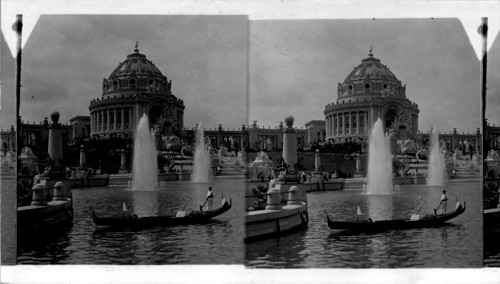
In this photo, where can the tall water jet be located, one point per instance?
(144, 173)
(202, 171)
(379, 162)
(436, 172)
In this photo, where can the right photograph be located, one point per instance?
(366, 145)
(491, 108)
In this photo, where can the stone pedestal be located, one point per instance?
(123, 164)
(51, 183)
(55, 147)
(294, 196)
(60, 192)
(358, 172)
(290, 144)
(273, 200)
(39, 195)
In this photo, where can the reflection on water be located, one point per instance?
(319, 246)
(217, 242)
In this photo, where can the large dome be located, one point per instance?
(370, 78)
(136, 64)
(370, 69)
(136, 74)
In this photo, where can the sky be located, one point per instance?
(292, 67)
(295, 66)
(66, 58)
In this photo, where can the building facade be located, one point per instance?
(134, 88)
(251, 137)
(492, 137)
(370, 91)
(80, 127)
(316, 130)
(36, 136)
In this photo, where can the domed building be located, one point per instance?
(370, 91)
(135, 87)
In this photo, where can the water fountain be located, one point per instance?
(436, 172)
(379, 162)
(202, 170)
(145, 174)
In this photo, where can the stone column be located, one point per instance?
(290, 144)
(98, 120)
(91, 123)
(344, 118)
(82, 156)
(338, 124)
(336, 131)
(115, 116)
(332, 121)
(317, 161)
(367, 128)
(102, 120)
(327, 124)
(357, 122)
(108, 120)
(123, 119)
(329, 128)
(350, 123)
(55, 145)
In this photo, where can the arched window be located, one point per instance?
(115, 85)
(132, 83)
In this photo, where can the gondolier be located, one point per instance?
(210, 199)
(444, 202)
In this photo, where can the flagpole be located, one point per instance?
(483, 30)
(18, 28)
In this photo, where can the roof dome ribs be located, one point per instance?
(146, 75)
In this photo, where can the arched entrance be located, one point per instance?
(154, 114)
(390, 116)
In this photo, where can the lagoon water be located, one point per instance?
(218, 242)
(457, 244)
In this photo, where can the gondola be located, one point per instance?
(131, 221)
(429, 220)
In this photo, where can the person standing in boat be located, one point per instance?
(210, 199)
(444, 201)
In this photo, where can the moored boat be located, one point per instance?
(132, 221)
(429, 220)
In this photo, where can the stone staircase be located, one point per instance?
(229, 170)
(464, 171)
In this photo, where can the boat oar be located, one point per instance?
(201, 206)
(435, 210)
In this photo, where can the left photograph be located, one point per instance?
(128, 137)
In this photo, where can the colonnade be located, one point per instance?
(344, 123)
(112, 119)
